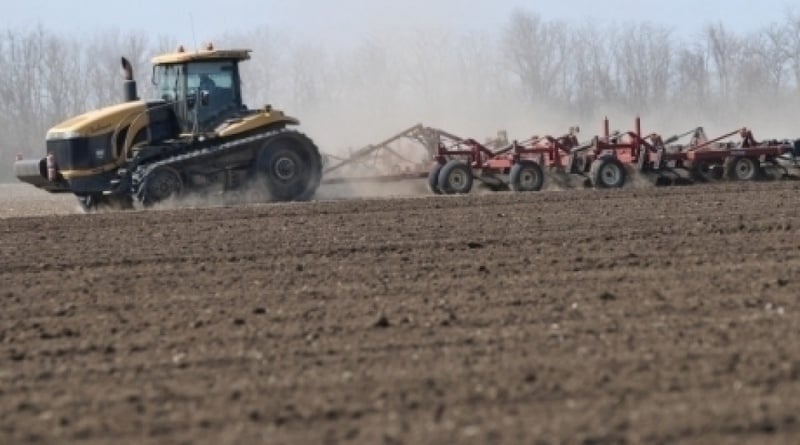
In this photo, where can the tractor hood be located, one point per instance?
(97, 122)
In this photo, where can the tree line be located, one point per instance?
(531, 74)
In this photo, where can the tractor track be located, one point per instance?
(663, 315)
(140, 173)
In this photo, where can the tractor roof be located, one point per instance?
(200, 55)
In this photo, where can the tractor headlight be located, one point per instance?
(59, 135)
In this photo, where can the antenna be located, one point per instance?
(194, 37)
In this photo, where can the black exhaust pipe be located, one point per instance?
(129, 93)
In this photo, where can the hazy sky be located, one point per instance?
(349, 20)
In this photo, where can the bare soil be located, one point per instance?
(596, 317)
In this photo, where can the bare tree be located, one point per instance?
(723, 46)
(691, 77)
(761, 69)
(793, 45)
(643, 58)
(538, 52)
(591, 65)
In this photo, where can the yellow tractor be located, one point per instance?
(197, 135)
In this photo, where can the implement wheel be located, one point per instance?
(741, 168)
(607, 172)
(433, 180)
(526, 176)
(161, 184)
(455, 178)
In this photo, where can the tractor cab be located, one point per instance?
(203, 88)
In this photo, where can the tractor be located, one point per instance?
(196, 135)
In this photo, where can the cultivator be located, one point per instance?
(453, 164)
(744, 159)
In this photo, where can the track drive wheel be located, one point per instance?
(455, 178)
(526, 176)
(741, 168)
(161, 184)
(433, 180)
(607, 172)
(290, 166)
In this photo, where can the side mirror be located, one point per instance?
(205, 98)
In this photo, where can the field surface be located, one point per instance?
(634, 316)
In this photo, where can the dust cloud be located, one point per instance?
(532, 75)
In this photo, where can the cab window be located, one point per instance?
(218, 79)
(210, 75)
(167, 79)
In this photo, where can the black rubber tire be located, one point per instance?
(433, 180)
(455, 178)
(607, 172)
(526, 176)
(742, 168)
(161, 184)
(290, 167)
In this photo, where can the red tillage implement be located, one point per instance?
(453, 164)
(705, 159)
(518, 165)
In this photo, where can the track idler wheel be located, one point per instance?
(526, 176)
(455, 178)
(607, 172)
(291, 167)
(741, 168)
(161, 184)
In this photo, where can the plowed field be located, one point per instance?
(597, 317)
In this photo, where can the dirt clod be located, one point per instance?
(382, 322)
(607, 296)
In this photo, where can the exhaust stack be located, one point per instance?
(129, 93)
